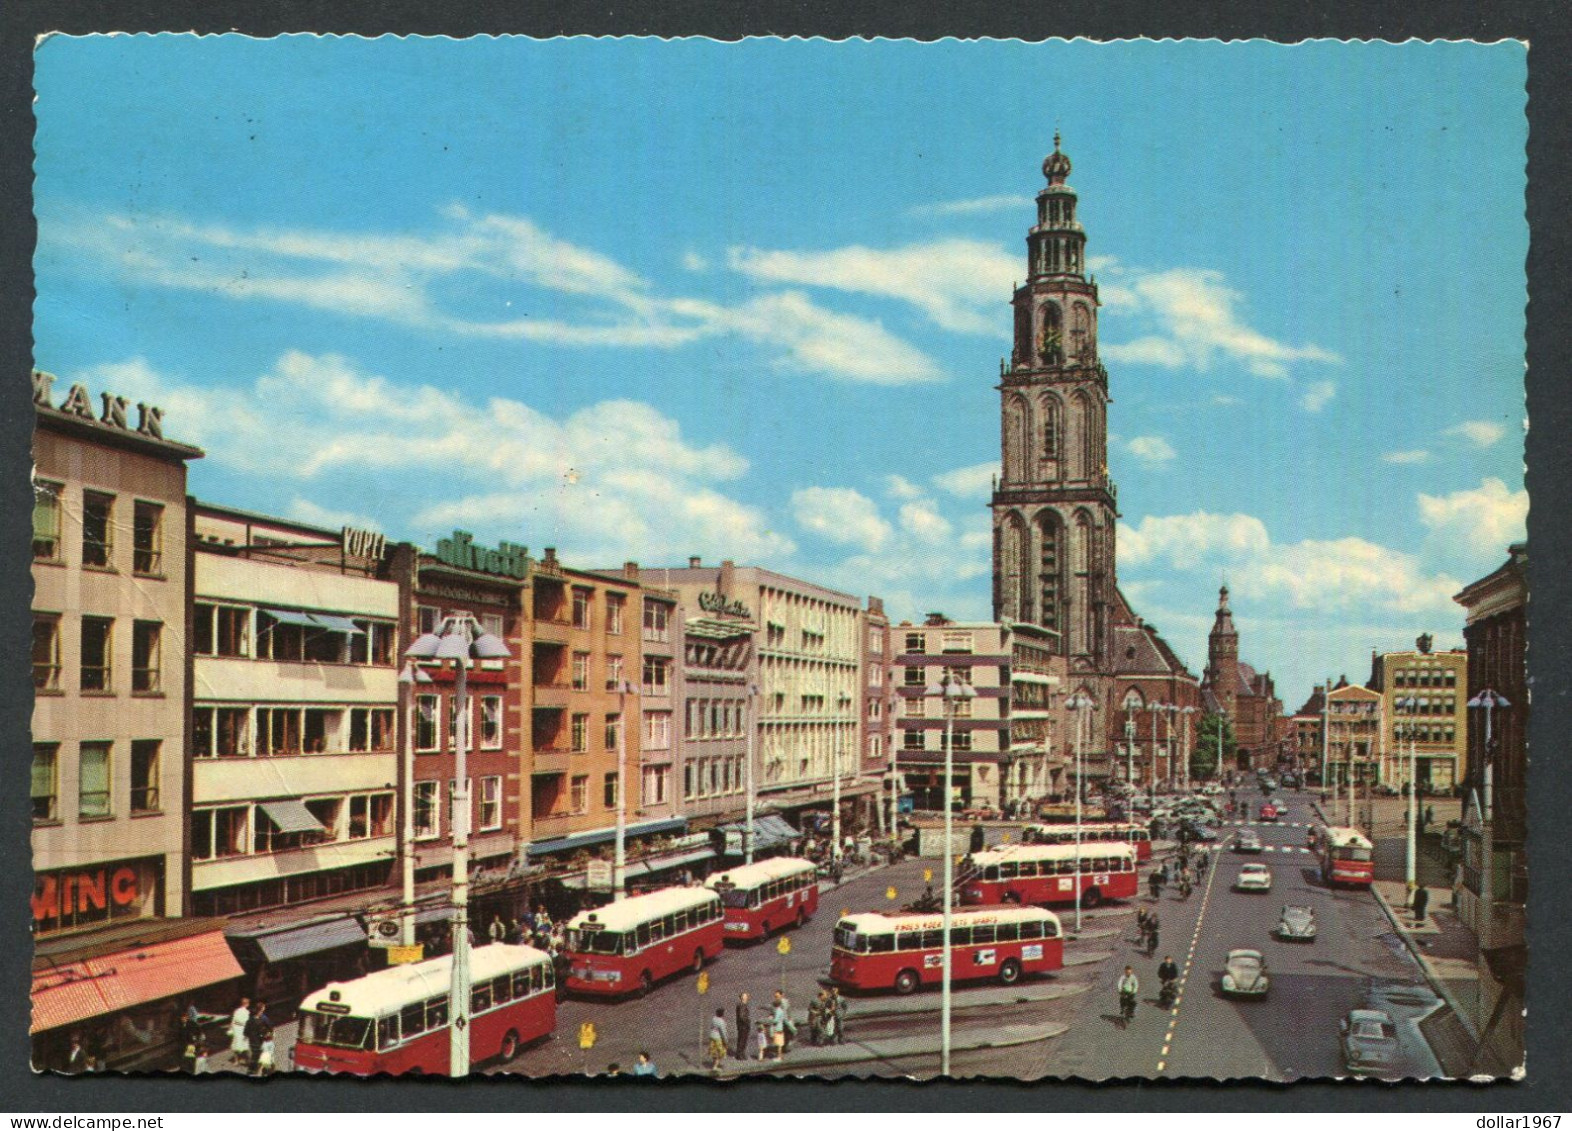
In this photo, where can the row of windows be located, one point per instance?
(589, 940)
(485, 806)
(96, 655)
(716, 718)
(918, 676)
(713, 777)
(95, 779)
(98, 530)
(950, 643)
(1031, 869)
(916, 740)
(226, 831)
(978, 934)
(433, 725)
(1426, 705)
(263, 732)
(244, 632)
(1425, 677)
(771, 889)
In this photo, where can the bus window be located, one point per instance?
(932, 939)
(669, 925)
(1028, 869)
(1050, 929)
(538, 976)
(908, 940)
(1008, 871)
(879, 944)
(520, 983)
(959, 936)
(437, 1013)
(412, 1019)
(991, 872)
(480, 998)
(1008, 932)
(682, 922)
(1033, 930)
(643, 935)
(502, 989)
(982, 933)
(387, 1032)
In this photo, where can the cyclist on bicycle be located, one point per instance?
(1129, 986)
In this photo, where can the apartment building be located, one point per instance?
(878, 711)
(1424, 704)
(1002, 738)
(295, 765)
(1354, 726)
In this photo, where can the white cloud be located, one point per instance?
(611, 480)
(840, 514)
(518, 283)
(1154, 451)
(899, 487)
(974, 482)
(1002, 203)
(1412, 455)
(693, 261)
(304, 510)
(1198, 318)
(959, 284)
(1485, 519)
(1317, 395)
(1480, 433)
(1225, 400)
(1330, 576)
(924, 522)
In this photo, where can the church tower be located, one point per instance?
(1054, 506)
(1222, 658)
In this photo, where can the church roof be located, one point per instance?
(1138, 648)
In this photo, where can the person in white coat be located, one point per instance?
(238, 1044)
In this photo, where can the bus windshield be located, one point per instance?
(1360, 855)
(731, 895)
(848, 939)
(595, 942)
(339, 1032)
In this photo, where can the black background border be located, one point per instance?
(1547, 27)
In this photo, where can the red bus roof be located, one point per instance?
(628, 913)
(749, 876)
(388, 990)
(879, 922)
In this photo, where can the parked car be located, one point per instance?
(1244, 974)
(1296, 923)
(1369, 1040)
(1269, 784)
(1248, 840)
(1253, 877)
(1267, 812)
(1290, 781)
(1197, 832)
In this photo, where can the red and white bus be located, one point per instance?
(875, 951)
(628, 946)
(1138, 835)
(1347, 857)
(396, 1020)
(1048, 874)
(761, 897)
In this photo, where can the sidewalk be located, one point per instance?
(810, 1058)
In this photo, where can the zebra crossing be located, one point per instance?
(1270, 824)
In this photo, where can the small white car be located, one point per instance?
(1244, 974)
(1254, 877)
(1248, 840)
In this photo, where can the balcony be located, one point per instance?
(550, 760)
(550, 826)
(552, 696)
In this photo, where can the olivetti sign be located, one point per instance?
(507, 560)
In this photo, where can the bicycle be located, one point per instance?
(1126, 1009)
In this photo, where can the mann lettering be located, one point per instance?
(150, 421)
(114, 413)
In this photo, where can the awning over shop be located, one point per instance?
(291, 616)
(282, 943)
(770, 831)
(650, 866)
(603, 836)
(292, 816)
(73, 992)
(336, 624)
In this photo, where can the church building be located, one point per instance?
(1249, 698)
(1055, 507)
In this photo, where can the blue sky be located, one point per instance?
(638, 299)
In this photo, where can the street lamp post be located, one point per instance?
(1156, 709)
(1487, 700)
(1079, 703)
(1184, 744)
(1408, 705)
(750, 789)
(619, 867)
(459, 638)
(952, 691)
(412, 675)
(1129, 751)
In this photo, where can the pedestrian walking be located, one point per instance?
(743, 1014)
(1421, 904)
(761, 1040)
(497, 931)
(644, 1066)
(258, 1029)
(838, 1011)
(719, 1040)
(238, 1044)
(268, 1057)
(778, 1021)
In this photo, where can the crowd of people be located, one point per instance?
(769, 1033)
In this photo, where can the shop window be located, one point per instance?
(46, 781)
(46, 652)
(147, 538)
(46, 521)
(144, 775)
(146, 656)
(97, 653)
(98, 530)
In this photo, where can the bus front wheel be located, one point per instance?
(906, 981)
(802, 918)
(1010, 972)
(698, 960)
(1090, 898)
(646, 984)
(510, 1045)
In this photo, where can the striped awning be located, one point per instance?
(74, 992)
(291, 816)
